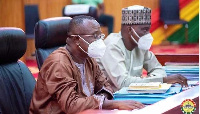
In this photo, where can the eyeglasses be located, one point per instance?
(100, 36)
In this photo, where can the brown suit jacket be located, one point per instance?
(59, 89)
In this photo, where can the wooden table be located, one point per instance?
(178, 58)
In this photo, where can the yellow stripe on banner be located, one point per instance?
(190, 11)
(187, 13)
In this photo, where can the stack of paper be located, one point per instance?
(190, 72)
(153, 87)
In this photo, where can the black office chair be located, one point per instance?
(16, 81)
(169, 15)
(50, 34)
(31, 18)
(92, 11)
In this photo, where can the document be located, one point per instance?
(154, 87)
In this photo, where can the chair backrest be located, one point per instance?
(79, 9)
(16, 81)
(31, 18)
(169, 10)
(49, 35)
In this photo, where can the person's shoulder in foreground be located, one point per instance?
(127, 54)
(70, 80)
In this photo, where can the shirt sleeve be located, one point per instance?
(153, 67)
(61, 84)
(101, 82)
(113, 62)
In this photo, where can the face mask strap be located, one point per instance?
(81, 47)
(134, 39)
(83, 40)
(135, 33)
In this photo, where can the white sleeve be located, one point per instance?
(153, 67)
(114, 64)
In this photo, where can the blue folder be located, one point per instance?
(145, 98)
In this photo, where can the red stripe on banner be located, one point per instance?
(155, 22)
(183, 3)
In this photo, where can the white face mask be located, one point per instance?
(96, 49)
(144, 41)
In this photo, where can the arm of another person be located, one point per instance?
(76, 1)
(154, 68)
(114, 63)
(103, 87)
(101, 7)
(101, 83)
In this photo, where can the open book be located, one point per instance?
(152, 87)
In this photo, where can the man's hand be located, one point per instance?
(122, 105)
(177, 78)
(129, 105)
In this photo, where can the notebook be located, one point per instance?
(153, 87)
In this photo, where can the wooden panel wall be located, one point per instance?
(12, 11)
(53, 8)
(29, 2)
(49, 8)
(12, 15)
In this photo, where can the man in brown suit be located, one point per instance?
(70, 80)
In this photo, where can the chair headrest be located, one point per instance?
(13, 44)
(51, 32)
(79, 9)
